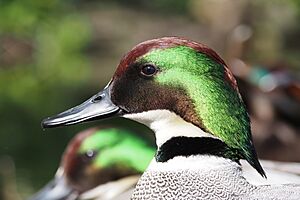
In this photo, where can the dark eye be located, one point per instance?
(90, 153)
(148, 70)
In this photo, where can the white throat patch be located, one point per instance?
(167, 124)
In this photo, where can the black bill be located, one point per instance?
(97, 107)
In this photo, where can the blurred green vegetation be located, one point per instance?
(42, 69)
(52, 54)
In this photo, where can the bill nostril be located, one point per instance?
(98, 98)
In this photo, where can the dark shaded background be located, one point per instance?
(55, 54)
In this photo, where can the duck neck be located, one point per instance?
(176, 137)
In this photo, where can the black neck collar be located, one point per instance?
(187, 146)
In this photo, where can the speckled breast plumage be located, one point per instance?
(192, 185)
(221, 185)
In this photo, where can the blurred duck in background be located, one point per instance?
(99, 163)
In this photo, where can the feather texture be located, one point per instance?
(205, 177)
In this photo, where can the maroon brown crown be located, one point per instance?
(167, 42)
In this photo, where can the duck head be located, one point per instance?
(178, 82)
(94, 158)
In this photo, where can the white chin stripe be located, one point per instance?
(167, 124)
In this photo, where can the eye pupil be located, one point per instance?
(148, 70)
(90, 153)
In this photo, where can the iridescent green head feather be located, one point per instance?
(217, 104)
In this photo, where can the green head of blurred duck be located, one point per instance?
(99, 162)
(183, 91)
